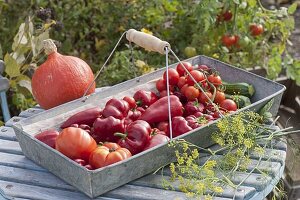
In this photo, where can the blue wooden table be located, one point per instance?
(22, 179)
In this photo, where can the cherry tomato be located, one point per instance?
(228, 105)
(108, 154)
(163, 126)
(183, 88)
(75, 143)
(181, 81)
(203, 99)
(181, 71)
(256, 29)
(225, 16)
(131, 101)
(220, 96)
(197, 75)
(215, 79)
(173, 76)
(161, 85)
(191, 93)
(230, 40)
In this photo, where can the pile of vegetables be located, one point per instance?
(128, 126)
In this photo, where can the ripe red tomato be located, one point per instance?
(164, 93)
(191, 93)
(198, 76)
(224, 16)
(256, 29)
(108, 154)
(215, 79)
(229, 40)
(228, 105)
(181, 81)
(183, 88)
(181, 71)
(161, 85)
(75, 143)
(131, 101)
(173, 76)
(220, 96)
(203, 99)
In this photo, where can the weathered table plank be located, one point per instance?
(22, 179)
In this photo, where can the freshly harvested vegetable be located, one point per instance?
(60, 78)
(158, 111)
(83, 163)
(131, 101)
(192, 107)
(87, 117)
(136, 136)
(156, 140)
(173, 76)
(75, 143)
(240, 100)
(228, 105)
(179, 126)
(108, 154)
(145, 98)
(48, 137)
(104, 129)
(244, 89)
(117, 108)
(196, 122)
(180, 69)
(197, 75)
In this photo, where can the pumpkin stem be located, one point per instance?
(49, 46)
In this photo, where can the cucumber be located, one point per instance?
(240, 100)
(244, 89)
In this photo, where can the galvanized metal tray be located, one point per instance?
(96, 182)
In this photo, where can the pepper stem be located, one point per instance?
(121, 135)
(49, 46)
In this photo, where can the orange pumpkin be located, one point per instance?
(60, 78)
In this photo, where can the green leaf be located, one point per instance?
(292, 8)
(1, 52)
(36, 42)
(12, 68)
(26, 84)
(236, 2)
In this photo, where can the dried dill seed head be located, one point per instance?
(44, 13)
(58, 26)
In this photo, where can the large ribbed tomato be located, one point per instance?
(75, 143)
(108, 154)
(60, 78)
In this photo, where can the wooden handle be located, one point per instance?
(148, 42)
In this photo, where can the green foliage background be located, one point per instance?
(92, 28)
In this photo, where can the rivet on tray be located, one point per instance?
(259, 178)
(240, 190)
(16, 120)
(3, 130)
(276, 153)
(31, 111)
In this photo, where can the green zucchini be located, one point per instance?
(244, 89)
(240, 100)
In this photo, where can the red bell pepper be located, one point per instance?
(179, 126)
(84, 117)
(145, 98)
(192, 107)
(156, 140)
(136, 136)
(104, 129)
(117, 108)
(48, 137)
(158, 111)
